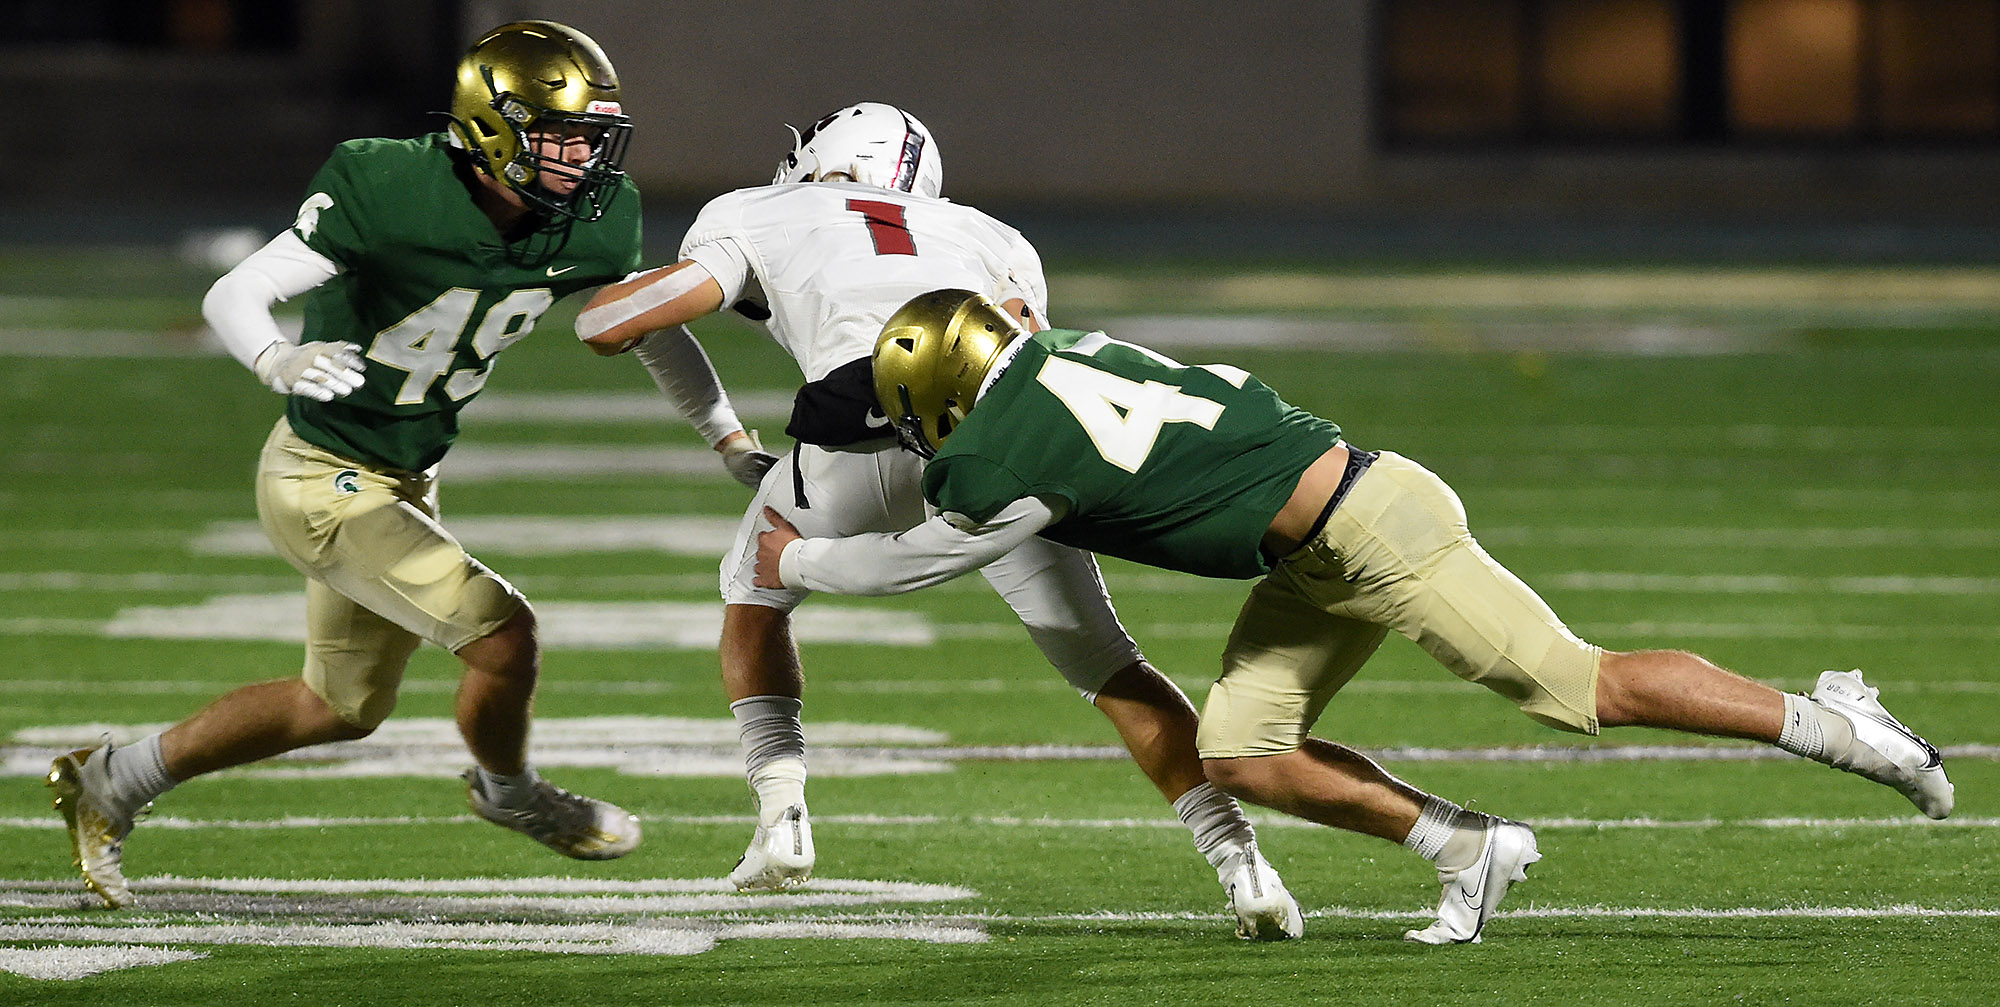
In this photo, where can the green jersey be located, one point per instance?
(1163, 464)
(430, 290)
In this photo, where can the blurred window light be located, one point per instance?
(1939, 64)
(1453, 68)
(1795, 68)
(1608, 68)
(1688, 71)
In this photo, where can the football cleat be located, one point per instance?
(570, 824)
(1884, 750)
(1265, 911)
(97, 829)
(1472, 895)
(780, 855)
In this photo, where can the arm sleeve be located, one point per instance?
(941, 548)
(238, 306)
(681, 368)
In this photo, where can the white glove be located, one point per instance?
(746, 459)
(321, 371)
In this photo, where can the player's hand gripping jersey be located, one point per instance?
(430, 291)
(821, 265)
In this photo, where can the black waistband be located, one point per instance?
(1357, 463)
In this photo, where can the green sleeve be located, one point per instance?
(330, 219)
(972, 486)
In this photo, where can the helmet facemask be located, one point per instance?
(537, 108)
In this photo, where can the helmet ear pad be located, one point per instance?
(932, 360)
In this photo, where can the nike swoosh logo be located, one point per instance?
(553, 271)
(874, 419)
(1475, 896)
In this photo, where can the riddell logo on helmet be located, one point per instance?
(606, 108)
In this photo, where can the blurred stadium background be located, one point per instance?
(1834, 130)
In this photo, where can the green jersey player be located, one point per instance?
(420, 260)
(1111, 447)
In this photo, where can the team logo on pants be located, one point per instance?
(347, 482)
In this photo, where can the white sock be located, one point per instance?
(510, 791)
(774, 752)
(1812, 731)
(1220, 830)
(1447, 834)
(138, 774)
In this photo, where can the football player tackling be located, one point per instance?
(421, 261)
(850, 228)
(1102, 445)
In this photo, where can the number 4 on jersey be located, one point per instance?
(1123, 417)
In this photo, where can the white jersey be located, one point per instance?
(831, 261)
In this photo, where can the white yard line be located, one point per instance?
(52, 823)
(558, 682)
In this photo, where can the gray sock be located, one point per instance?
(1447, 834)
(1812, 731)
(1219, 828)
(138, 774)
(509, 791)
(774, 752)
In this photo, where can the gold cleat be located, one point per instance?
(96, 830)
(570, 824)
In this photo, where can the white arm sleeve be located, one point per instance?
(944, 547)
(238, 306)
(682, 370)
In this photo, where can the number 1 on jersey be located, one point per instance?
(886, 225)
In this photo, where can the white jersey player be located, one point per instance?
(850, 229)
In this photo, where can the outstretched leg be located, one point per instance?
(1842, 724)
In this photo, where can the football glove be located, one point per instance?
(746, 459)
(320, 371)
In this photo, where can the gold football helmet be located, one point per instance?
(933, 355)
(543, 78)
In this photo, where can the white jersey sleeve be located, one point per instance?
(717, 242)
(1024, 277)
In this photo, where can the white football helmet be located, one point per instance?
(871, 143)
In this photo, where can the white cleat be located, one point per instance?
(1265, 911)
(1884, 750)
(780, 855)
(570, 824)
(97, 829)
(1472, 895)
